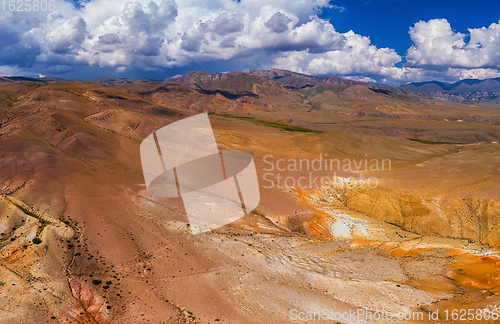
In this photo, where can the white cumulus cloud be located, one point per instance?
(154, 35)
(435, 44)
(149, 34)
(356, 56)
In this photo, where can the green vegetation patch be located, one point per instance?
(431, 142)
(289, 128)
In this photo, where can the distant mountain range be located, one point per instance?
(102, 81)
(240, 84)
(319, 90)
(467, 91)
(464, 91)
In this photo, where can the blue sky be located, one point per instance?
(384, 41)
(387, 22)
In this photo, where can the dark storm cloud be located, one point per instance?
(150, 19)
(191, 40)
(278, 23)
(219, 28)
(109, 39)
(225, 25)
(151, 46)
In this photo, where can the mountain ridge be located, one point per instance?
(240, 84)
(464, 91)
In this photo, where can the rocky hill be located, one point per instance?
(300, 81)
(82, 241)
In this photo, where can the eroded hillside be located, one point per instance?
(108, 252)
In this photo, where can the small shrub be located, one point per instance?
(37, 240)
(97, 282)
